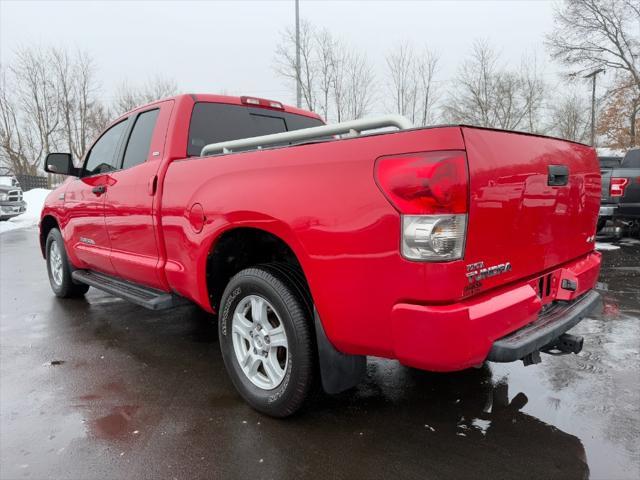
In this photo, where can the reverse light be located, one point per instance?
(430, 190)
(433, 237)
(617, 186)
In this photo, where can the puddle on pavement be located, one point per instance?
(117, 425)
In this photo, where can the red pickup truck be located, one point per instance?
(318, 245)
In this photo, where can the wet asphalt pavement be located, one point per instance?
(138, 394)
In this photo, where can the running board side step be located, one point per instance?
(140, 295)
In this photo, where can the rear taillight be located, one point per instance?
(617, 186)
(425, 183)
(431, 191)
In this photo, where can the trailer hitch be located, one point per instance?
(563, 345)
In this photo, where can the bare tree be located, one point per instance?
(285, 61)
(412, 84)
(472, 100)
(359, 85)
(598, 33)
(130, 97)
(593, 34)
(327, 48)
(37, 95)
(402, 80)
(426, 68)
(15, 142)
(83, 116)
(336, 80)
(49, 100)
(487, 95)
(534, 91)
(570, 118)
(339, 82)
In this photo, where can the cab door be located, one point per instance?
(85, 231)
(129, 202)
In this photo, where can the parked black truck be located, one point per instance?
(621, 190)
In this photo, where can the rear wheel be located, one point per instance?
(266, 341)
(601, 224)
(59, 270)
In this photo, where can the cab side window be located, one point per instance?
(103, 156)
(140, 139)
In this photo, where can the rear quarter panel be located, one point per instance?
(322, 200)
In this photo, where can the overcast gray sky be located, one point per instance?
(209, 46)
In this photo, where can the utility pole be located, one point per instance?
(298, 89)
(593, 76)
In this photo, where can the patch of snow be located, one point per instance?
(482, 425)
(602, 246)
(35, 201)
(610, 152)
(629, 241)
(6, 226)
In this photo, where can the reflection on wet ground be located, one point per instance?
(103, 389)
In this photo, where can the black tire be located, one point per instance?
(65, 287)
(283, 296)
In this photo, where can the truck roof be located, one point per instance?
(631, 159)
(230, 100)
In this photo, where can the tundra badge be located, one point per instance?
(477, 271)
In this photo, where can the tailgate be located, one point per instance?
(516, 214)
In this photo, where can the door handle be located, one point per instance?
(152, 185)
(99, 190)
(558, 175)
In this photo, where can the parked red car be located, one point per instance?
(441, 247)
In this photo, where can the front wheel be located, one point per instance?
(266, 341)
(59, 270)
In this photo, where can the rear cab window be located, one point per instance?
(218, 122)
(631, 159)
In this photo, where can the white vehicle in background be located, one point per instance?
(11, 196)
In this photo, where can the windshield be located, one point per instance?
(6, 181)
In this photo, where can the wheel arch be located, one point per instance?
(47, 223)
(240, 247)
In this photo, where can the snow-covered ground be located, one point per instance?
(35, 201)
(610, 152)
(602, 246)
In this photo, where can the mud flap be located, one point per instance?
(338, 371)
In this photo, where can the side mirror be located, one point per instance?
(60, 163)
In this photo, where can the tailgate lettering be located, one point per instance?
(477, 271)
